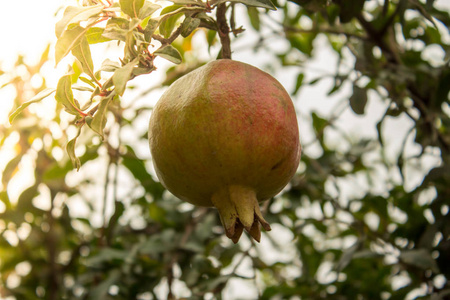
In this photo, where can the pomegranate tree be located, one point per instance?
(226, 135)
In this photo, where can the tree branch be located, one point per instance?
(224, 31)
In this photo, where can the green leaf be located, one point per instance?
(148, 9)
(24, 203)
(313, 5)
(109, 65)
(84, 79)
(211, 38)
(358, 100)
(420, 258)
(115, 33)
(122, 75)
(5, 199)
(120, 22)
(75, 14)
(119, 208)
(349, 9)
(83, 88)
(379, 132)
(257, 3)
(189, 25)
(347, 256)
(254, 17)
(131, 7)
(150, 29)
(168, 20)
(137, 167)
(94, 35)
(170, 53)
(76, 71)
(442, 90)
(64, 95)
(70, 148)
(303, 42)
(98, 122)
(319, 125)
(41, 95)
(298, 83)
(100, 291)
(69, 40)
(10, 169)
(105, 255)
(83, 53)
(117, 29)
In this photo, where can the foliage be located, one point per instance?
(386, 239)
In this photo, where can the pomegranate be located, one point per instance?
(226, 135)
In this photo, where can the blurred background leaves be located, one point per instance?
(360, 220)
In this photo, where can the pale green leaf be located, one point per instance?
(98, 122)
(170, 16)
(131, 7)
(133, 24)
(43, 94)
(116, 29)
(64, 95)
(83, 53)
(189, 25)
(120, 22)
(88, 81)
(75, 14)
(94, 35)
(170, 53)
(114, 32)
(69, 40)
(122, 75)
(82, 88)
(109, 65)
(150, 29)
(148, 9)
(70, 148)
(76, 71)
(143, 70)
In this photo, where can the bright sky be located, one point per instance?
(27, 26)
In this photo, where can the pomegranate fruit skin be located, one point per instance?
(224, 135)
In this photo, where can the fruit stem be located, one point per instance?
(239, 209)
(224, 31)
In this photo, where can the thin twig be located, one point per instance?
(105, 200)
(170, 39)
(330, 30)
(53, 274)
